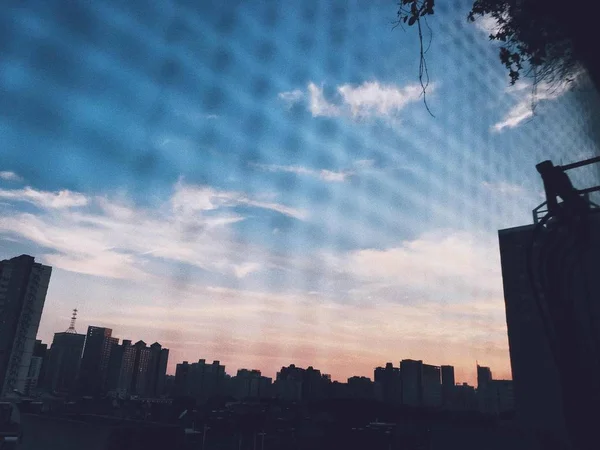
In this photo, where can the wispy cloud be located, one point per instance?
(9, 176)
(526, 99)
(503, 187)
(291, 97)
(44, 199)
(444, 262)
(378, 100)
(322, 174)
(102, 236)
(318, 105)
(192, 198)
(370, 99)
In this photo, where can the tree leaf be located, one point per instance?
(412, 21)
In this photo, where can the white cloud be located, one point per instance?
(445, 262)
(526, 99)
(322, 174)
(503, 187)
(191, 198)
(291, 97)
(45, 199)
(375, 99)
(318, 105)
(370, 99)
(114, 239)
(9, 176)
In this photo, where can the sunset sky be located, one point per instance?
(260, 182)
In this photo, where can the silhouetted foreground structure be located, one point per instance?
(551, 289)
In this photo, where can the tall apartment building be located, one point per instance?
(307, 384)
(390, 381)
(140, 368)
(200, 380)
(157, 370)
(64, 359)
(484, 376)
(411, 372)
(37, 367)
(448, 385)
(250, 384)
(23, 287)
(120, 368)
(94, 363)
(431, 386)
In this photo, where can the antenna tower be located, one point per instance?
(71, 328)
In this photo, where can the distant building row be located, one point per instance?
(96, 363)
(412, 384)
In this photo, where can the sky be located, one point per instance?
(260, 183)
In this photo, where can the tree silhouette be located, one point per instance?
(547, 40)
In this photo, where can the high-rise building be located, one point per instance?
(361, 388)
(411, 374)
(464, 399)
(389, 379)
(250, 384)
(484, 376)
(63, 362)
(94, 363)
(140, 368)
(200, 380)
(157, 370)
(448, 383)
(120, 368)
(496, 397)
(310, 383)
(180, 384)
(23, 287)
(64, 359)
(37, 367)
(431, 386)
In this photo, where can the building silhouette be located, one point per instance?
(484, 376)
(200, 380)
(250, 384)
(464, 398)
(63, 362)
(157, 370)
(390, 382)
(296, 383)
(537, 388)
(94, 363)
(431, 386)
(411, 372)
(23, 287)
(64, 358)
(37, 367)
(140, 368)
(361, 388)
(120, 368)
(448, 383)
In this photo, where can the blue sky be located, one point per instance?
(262, 184)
